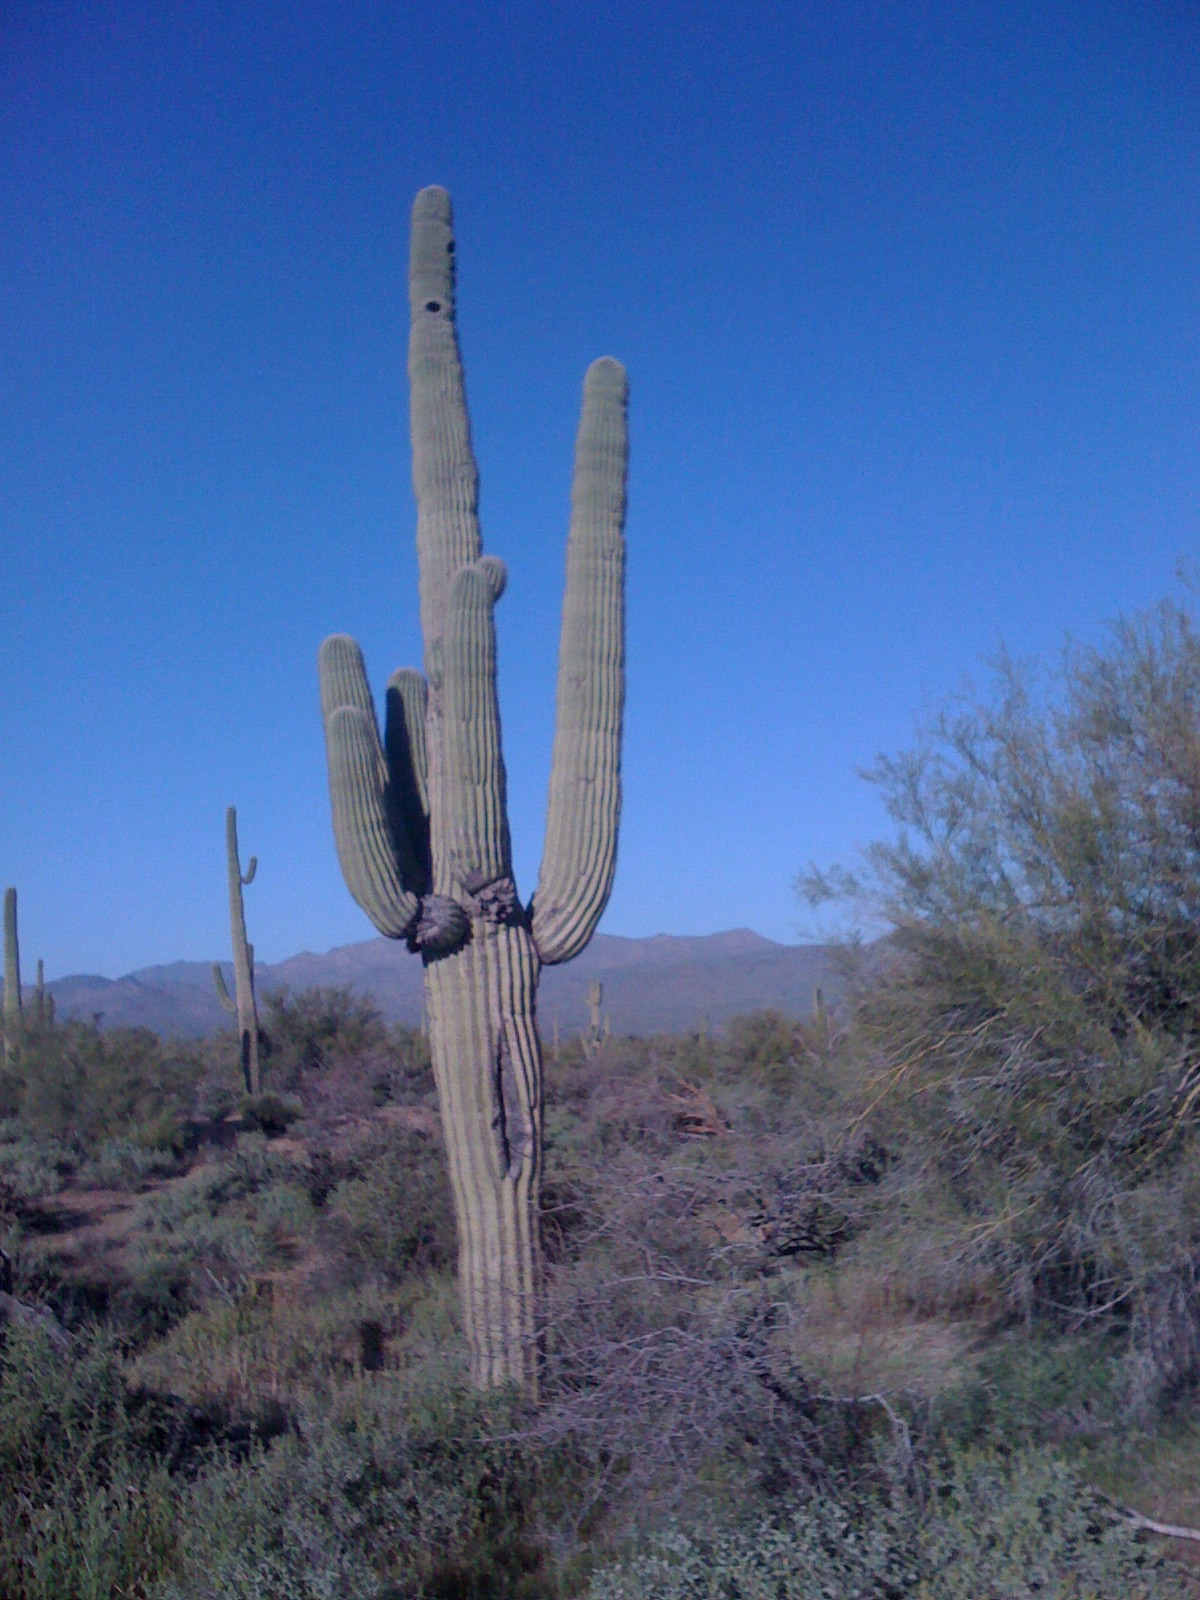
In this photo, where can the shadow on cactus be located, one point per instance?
(420, 816)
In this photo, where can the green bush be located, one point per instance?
(87, 1509)
(121, 1163)
(222, 1223)
(1028, 1025)
(270, 1113)
(379, 1494)
(766, 1046)
(75, 1083)
(995, 1529)
(31, 1166)
(319, 1031)
(395, 1212)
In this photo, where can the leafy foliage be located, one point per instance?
(997, 1529)
(1031, 1020)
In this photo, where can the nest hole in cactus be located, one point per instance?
(433, 305)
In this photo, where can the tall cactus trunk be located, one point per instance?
(487, 1065)
(420, 816)
(12, 973)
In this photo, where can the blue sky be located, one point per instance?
(908, 295)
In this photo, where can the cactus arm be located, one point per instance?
(365, 845)
(445, 476)
(474, 819)
(12, 959)
(223, 994)
(382, 870)
(580, 852)
(248, 876)
(407, 763)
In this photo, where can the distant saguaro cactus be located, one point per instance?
(12, 971)
(420, 817)
(244, 1006)
(594, 1037)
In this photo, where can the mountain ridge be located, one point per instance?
(663, 983)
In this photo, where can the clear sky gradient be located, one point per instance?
(908, 293)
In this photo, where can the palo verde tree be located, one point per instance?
(420, 817)
(242, 1002)
(1032, 1017)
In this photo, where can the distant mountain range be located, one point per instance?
(665, 984)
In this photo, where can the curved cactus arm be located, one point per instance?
(382, 868)
(223, 994)
(407, 763)
(445, 476)
(248, 875)
(474, 818)
(580, 852)
(364, 840)
(343, 675)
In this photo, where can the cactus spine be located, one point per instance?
(243, 1006)
(12, 972)
(420, 817)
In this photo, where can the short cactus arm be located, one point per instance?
(248, 876)
(474, 821)
(580, 852)
(445, 476)
(223, 994)
(380, 866)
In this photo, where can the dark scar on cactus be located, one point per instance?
(495, 898)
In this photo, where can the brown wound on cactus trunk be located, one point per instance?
(514, 1132)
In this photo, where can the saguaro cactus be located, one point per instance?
(420, 816)
(12, 971)
(594, 1037)
(244, 1006)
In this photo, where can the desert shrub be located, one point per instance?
(379, 1492)
(225, 1221)
(766, 1046)
(121, 1163)
(318, 1032)
(394, 1213)
(996, 1529)
(1030, 1019)
(77, 1083)
(406, 1076)
(87, 1509)
(32, 1166)
(270, 1113)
